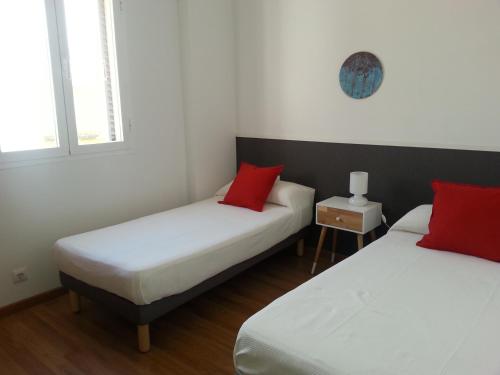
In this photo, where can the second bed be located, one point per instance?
(392, 308)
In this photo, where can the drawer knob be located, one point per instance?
(338, 218)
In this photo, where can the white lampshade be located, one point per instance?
(358, 184)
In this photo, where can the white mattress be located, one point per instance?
(391, 309)
(167, 253)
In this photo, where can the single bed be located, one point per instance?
(146, 267)
(392, 308)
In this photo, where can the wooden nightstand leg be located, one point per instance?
(360, 241)
(300, 247)
(373, 236)
(334, 244)
(318, 249)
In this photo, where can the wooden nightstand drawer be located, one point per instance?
(340, 218)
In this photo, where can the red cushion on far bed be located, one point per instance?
(252, 186)
(465, 219)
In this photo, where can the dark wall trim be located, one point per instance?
(400, 177)
(30, 302)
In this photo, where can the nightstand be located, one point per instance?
(338, 214)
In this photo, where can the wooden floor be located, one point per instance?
(197, 338)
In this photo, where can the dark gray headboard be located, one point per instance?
(400, 177)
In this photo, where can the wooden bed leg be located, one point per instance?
(143, 338)
(74, 301)
(300, 247)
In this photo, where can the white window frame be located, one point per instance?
(63, 92)
(118, 28)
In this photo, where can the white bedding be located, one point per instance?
(167, 253)
(391, 309)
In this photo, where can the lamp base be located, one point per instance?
(358, 200)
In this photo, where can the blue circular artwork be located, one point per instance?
(361, 75)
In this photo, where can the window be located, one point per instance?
(60, 90)
(28, 119)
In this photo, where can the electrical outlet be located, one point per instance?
(19, 275)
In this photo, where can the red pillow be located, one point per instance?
(465, 219)
(252, 186)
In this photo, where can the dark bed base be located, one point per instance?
(142, 315)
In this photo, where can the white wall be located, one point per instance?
(441, 60)
(208, 45)
(41, 203)
(275, 74)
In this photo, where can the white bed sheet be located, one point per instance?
(391, 309)
(167, 253)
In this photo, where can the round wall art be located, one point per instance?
(361, 75)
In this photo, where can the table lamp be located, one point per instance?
(358, 186)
